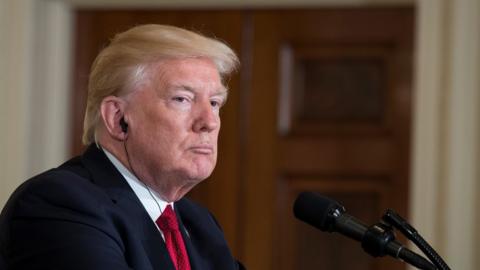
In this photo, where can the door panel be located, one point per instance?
(330, 110)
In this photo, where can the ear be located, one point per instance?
(112, 109)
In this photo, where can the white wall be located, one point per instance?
(34, 82)
(446, 134)
(14, 84)
(34, 86)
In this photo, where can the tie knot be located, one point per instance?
(168, 220)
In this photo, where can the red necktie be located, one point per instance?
(167, 222)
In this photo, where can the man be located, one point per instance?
(152, 122)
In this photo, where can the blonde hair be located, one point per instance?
(123, 63)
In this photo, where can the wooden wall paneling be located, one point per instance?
(85, 52)
(95, 27)
(329, 100)
(351, 78)
(373, 156)
(260, 150)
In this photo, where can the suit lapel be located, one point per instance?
(206, 243)
(157, 252)
(196, 262)
(106, 176)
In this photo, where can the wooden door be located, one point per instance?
(321, 103)
(329, 112)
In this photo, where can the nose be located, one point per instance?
(207, 118)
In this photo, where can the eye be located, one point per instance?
(180, 99)
(215, 103)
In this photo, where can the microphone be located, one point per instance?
(330, 216)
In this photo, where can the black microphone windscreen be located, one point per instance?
(314, 209)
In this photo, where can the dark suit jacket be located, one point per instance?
(84, 215)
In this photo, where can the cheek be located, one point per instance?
(156, 140)
(165, 140)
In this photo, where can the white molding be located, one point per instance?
(35, 70)
(427, 119)
(50, 92)
(462, 144)
(16, 21)
(446, 132)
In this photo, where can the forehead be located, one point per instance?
(195, 73)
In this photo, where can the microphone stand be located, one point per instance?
(406, 229)
(378, 241)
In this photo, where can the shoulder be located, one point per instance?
(67, 184)
(60, 209)
(64, 193)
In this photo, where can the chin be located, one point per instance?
(200, 177)
(200, 171)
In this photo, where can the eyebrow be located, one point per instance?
(223, 91)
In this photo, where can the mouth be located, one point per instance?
(202, 149)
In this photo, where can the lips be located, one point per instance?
(202, 149)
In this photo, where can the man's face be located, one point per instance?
(174, 123)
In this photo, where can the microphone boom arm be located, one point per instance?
(406, 229)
